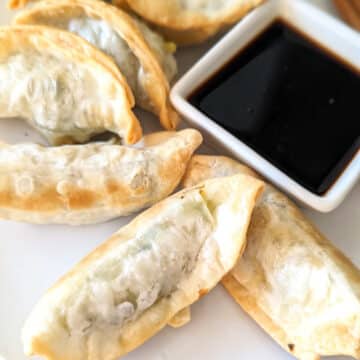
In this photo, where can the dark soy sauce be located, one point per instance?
(291, 101)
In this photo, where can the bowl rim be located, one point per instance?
(341, 40)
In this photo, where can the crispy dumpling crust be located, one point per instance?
(92, 183)
(163, 261)
(192, 21)
(181, 318)
(181, 25)
(291, 280)
(19, 4)
(150, 76)
(66, 88)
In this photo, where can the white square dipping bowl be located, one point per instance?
(325, 30)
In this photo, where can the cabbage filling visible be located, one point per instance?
(102, 36)
(138, 273)
(64, 98)
(163, 50)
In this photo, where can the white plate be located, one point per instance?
(33, 257)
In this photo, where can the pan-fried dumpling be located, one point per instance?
(298, 287)
(190, 21)
(64, 87)
(83, 184)
(129, 288)
(19, 4)
(141, 55)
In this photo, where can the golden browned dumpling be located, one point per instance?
(132, 286)
(190, 21)
(302, 290)
(18, 4)
(144, 58)
(63, 86)
(92, 183)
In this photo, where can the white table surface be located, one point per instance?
(33, 257)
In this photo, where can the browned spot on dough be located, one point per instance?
(203, 292)
(291, 347)
(5, 197)
(40, 347)
(123, 195)
(47, 200)
(112, 186)
(80, 199)
(63, 140)
(174, 168)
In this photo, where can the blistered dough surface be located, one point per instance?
(291, 279)
(192, 15)
(63, 86)
(64, 96)
(137, 281)
(142, 55)
(90, 183)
